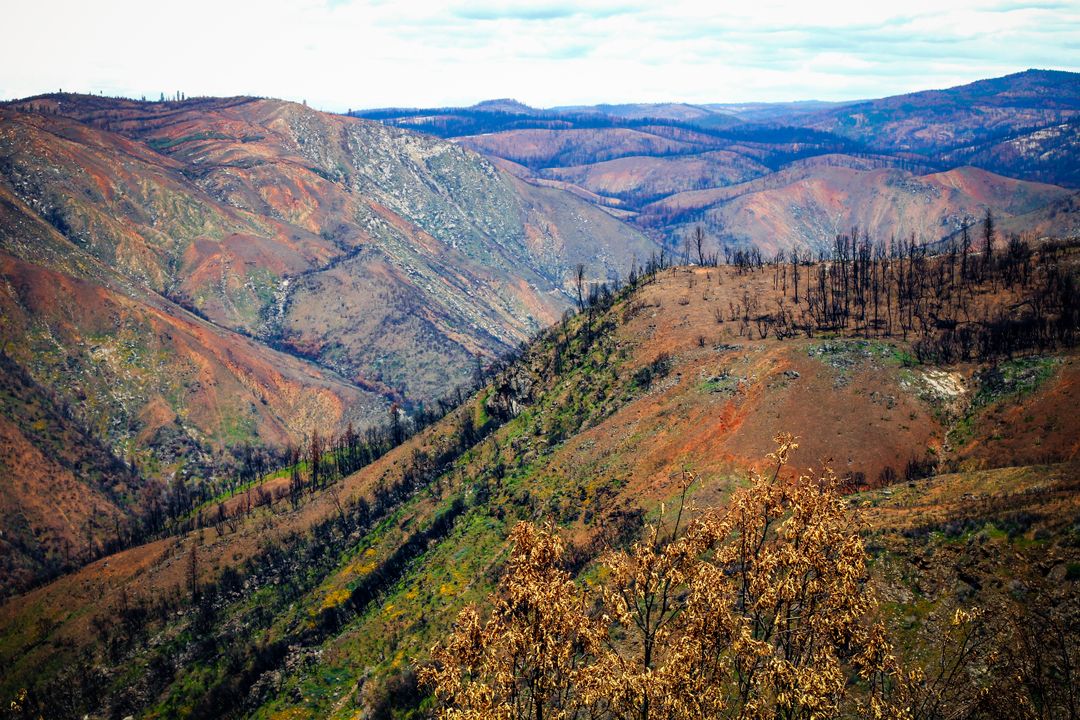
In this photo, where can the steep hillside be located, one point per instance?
(195, 278)
(141, 372)
(936, 120)
(289, 225)
(245, 210)
(65, 496)
(1047, 154)
(1058, 219)
(809, 207)
(323, 605)
(134, 370)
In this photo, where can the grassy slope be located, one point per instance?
(597, 443)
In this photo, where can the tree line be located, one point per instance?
(974, 298)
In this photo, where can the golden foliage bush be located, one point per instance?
(759, 610)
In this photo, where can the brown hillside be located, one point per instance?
(592, 444)
(653, 176)
(65, 497)
(543, 148)
(810, 207)
(234, 207)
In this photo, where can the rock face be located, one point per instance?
(511, 394)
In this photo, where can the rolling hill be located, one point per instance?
(647, 163)
(323, 606)
(935, 120)
(195, 277)
(808, 207)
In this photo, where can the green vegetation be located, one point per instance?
(1007, 382)
(164, 143)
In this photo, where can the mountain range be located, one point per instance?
(276, 384)
(325, 604)
(666, 168)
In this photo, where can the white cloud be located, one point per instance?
(363, 53)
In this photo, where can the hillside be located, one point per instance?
(935, 120)
(196, 278)
(323, 605)
(65, 496)
(809, 207)
(640, 161)
(237, 196)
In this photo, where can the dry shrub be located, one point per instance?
(758, 610)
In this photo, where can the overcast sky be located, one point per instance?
(340, 54)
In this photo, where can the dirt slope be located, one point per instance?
(591, 430)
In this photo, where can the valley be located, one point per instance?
(195, 278)
(340, 591)
(792, 176)
(283, 392)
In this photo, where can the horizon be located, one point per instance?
(363, 54)
(513, 100)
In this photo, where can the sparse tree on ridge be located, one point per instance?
(699, 244)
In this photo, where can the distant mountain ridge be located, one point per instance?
(980, 113)
(668, 167)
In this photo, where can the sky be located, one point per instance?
(342, 54)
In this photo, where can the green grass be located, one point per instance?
(166, 143)
(1010, 381)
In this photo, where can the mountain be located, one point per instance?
(809, 205)
(707, 115)
(936, 120)
(242, 209)
(648, 163)
(1046, 153)
(665, 111)
(276, 385)
(774, 112)
(715, 115)
(324, 606)
(504, 105)
(194, 277)
(652, 176)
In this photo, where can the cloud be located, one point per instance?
(341, 54)
(538, 10)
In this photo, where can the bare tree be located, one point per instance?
(699, 244)
(579, 279)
